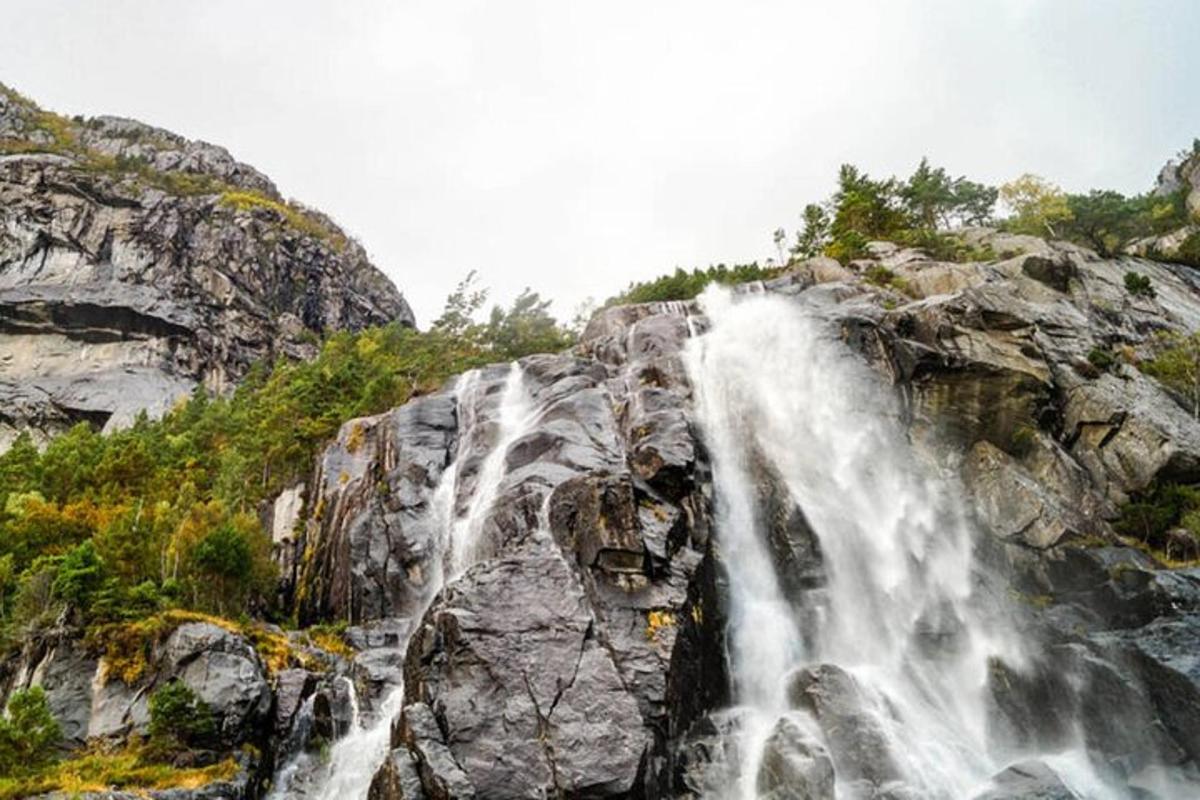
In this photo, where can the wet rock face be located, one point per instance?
(368, 543)
(996, 366)
(516, 637)
(594, 566)
(600, 538)
(1028, 780)
(120, 294)
(795, 764)
(859, 747)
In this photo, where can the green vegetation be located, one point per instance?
(914, 212)
(1037, 206)
(682, 285)
(120, 528)
(1138, 285)
(1105, 221)
(29, 734)
(1177, 366)
(884, 278)
(1102, 358)
(1189, 251)
(179, 720)
(1165, 521)
(134, 767)
(298, 218)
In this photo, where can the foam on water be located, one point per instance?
(899, 610)
(352, 761)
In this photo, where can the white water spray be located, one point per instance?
(353, 760)
(898, 612)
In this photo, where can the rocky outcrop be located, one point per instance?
(370, 540)
(136, 264)
(591, 619)
(1178, 179)
(582, 654)
(998, 371)
(93, 704)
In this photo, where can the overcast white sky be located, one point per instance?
(573, 147)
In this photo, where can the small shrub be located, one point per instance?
(879, 275)
(884, 278)
(179, 720)
(1138, 285)
(657, 621)
(1164, 521)
(1176, 366)
(1102, 358)
(684, 285)
(1189, 250)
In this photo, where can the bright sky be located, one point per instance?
(574, 147)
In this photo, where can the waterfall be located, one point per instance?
(898, 608)
(346, 772)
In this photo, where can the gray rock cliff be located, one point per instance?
(136, 264)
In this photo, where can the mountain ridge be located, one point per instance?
(136, 264)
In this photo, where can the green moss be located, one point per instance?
(1022, 440)
(290, 214)
(1102, 358)
(1189, 250)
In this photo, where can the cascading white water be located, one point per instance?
(353, 760)
(898, 611)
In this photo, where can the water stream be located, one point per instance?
(458, 513)
(899, 609)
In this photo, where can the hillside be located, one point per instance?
(136, 264)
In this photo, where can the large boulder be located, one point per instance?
(794, 764)
(856, 740)
(1028, 780)
(515, 636)
(224, 671)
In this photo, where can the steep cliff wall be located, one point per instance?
(136, 264)
(601, 530)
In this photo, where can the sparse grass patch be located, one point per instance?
(884, 278)
(295, 217)
(330, 637)
(1101, 358)
(100, 771)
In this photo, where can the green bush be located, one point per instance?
(162, 514)
(1139, 285)
(1176, 365)
(180, 720)
(1151, 515)
(29, 733)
